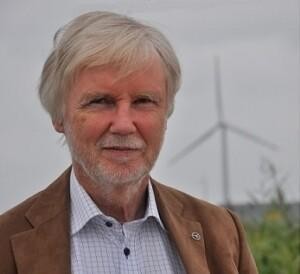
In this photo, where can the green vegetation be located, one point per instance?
(275, 243)
(274, 238)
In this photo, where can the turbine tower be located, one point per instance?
(224, 128)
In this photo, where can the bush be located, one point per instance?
(275, 243)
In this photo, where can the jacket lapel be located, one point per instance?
(46, 247)
(187, 234)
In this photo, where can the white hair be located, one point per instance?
(99, 39)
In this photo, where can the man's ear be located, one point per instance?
(58, 126)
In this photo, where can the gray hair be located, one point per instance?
(98, 39)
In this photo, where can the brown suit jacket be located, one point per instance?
(34, 236)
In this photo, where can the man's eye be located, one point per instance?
(101, 101)
(144, 101)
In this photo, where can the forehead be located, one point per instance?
(150, 75)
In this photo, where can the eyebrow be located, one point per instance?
(93, 94)
(89, 95)
(148, 93)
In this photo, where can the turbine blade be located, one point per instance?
(189, 148)
(252, 137)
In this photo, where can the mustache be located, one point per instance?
(119, 141)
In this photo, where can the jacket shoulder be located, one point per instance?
(16, 220)
(222, 229)
(216, 221)
(15, 217)
(12, 222)
(193, 207)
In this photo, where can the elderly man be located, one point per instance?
(109, 86)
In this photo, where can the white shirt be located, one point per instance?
(100, 244)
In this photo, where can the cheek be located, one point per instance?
(153, 130)
(86, 128)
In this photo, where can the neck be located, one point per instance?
(125, 202)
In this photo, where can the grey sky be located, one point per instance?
(258, 43)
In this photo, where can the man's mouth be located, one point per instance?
(120, 148)
(117, 148)
(120, 153)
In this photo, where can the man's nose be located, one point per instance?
(122, 121)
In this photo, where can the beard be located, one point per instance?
(118, 171)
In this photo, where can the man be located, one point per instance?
(109, 86)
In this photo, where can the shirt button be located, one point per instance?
(108, 224)
(126, 252)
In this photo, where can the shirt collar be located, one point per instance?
(83, 208)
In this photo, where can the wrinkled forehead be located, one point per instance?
(123, 69)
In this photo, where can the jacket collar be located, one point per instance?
(186, 233)
(46, 247)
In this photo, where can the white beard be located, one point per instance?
(102, 171)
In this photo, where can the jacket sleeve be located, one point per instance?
(246, 264)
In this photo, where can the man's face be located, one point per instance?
(114, 125)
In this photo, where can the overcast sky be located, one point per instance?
(258, 45)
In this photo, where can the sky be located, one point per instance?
(258, 45)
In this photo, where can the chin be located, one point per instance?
(117, 175)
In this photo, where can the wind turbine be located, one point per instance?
(224, 127)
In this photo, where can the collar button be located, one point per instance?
(108, 224)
